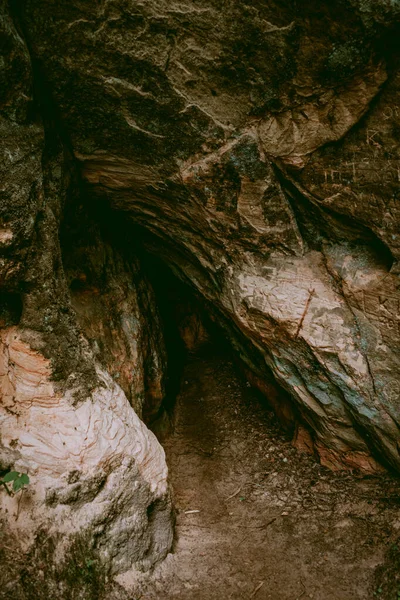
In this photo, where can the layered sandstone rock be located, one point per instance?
(251, 146)
(95, 468)
(96, 472)
(236, 137)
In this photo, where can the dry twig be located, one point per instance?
(234, 494)
(257, 589)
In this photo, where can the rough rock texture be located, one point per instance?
(116, 308)
(235, 134)
(96, 471)
(251, 146)
(95, 466)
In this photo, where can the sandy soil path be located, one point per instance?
(257, 519)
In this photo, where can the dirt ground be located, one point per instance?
(256, 518)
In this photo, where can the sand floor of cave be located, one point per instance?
(257, 519)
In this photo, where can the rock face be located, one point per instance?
(69, 386)
(96, 467)
(254, 147)
(116, 308)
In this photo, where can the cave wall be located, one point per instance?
(255, 146)
(256, 143)
(96, 472)
(114, 303)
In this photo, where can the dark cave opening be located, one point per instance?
(10, 308)
(188, 330)
(104, 261)
(193, 329)
(190, 326)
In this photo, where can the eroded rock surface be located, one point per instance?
(251, 146)
(228, 133)
(96, 472)
(96, 468)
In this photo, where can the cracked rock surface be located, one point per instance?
(70, 397)
(254, 148)
(256, 144)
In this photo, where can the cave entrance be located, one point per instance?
(254, 517)
(189, 332)
(109, 262)
(142, 321)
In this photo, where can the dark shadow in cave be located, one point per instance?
(190, 326)
(10, 308)
(167, 267)
(195, 344)
(97, 242)
(187, 327)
